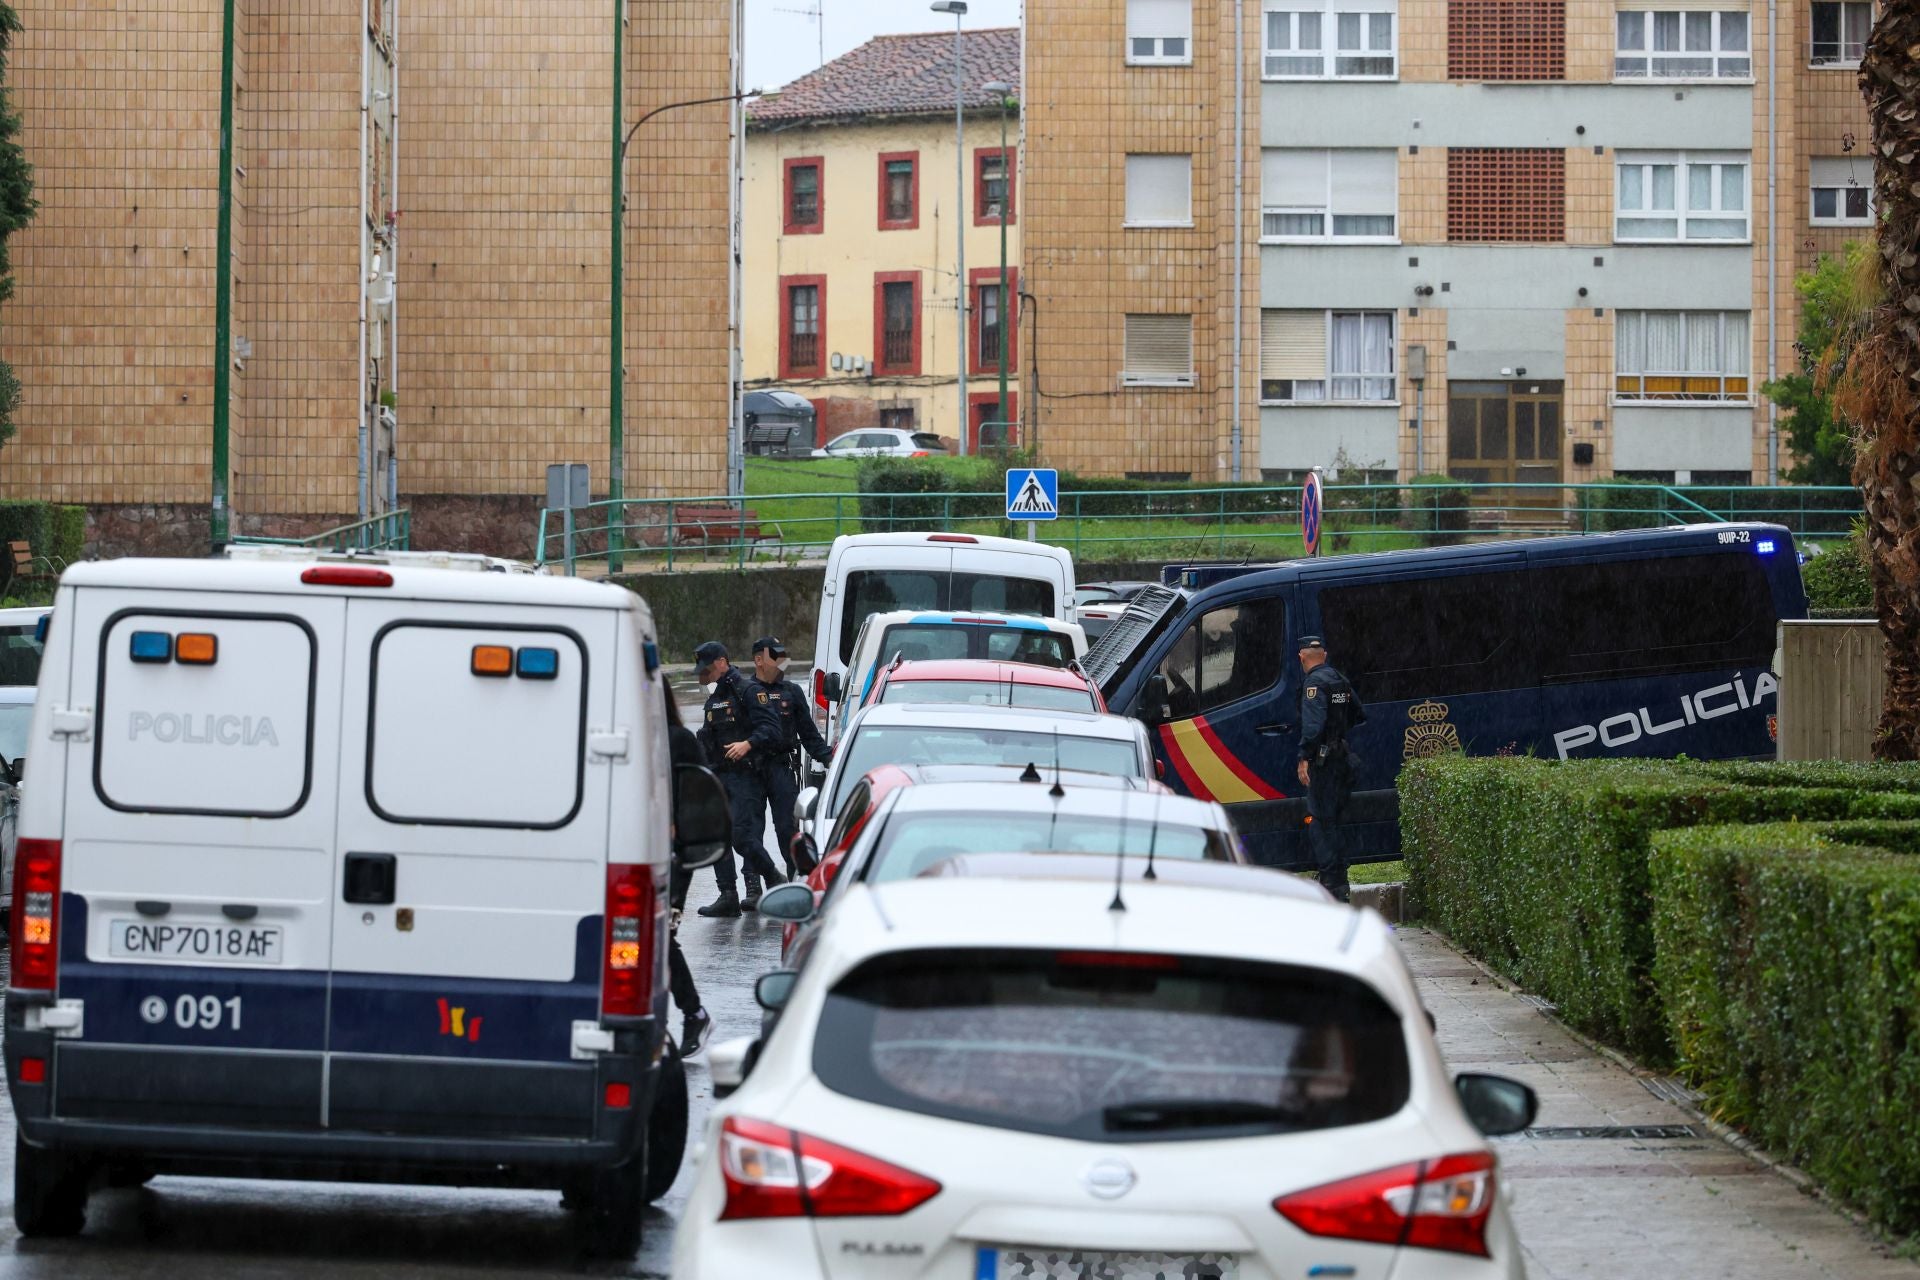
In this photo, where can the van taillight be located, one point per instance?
(346, 575)
(36, 914)
(952, 537)
(820, 688)
(635, 927)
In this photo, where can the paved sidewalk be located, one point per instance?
(1689, 1208)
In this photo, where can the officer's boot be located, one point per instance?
(724, 907)
(752, 901)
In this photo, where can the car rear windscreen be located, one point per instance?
(922, 641)
(871, 591)
(874, 745)
(20, 649)
(913, 842)
(1113, 1047)
(988, 693)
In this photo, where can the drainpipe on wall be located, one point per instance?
(1773, 234)
(617, 377)
(1239, 212)
(218, 523)
(393, 247)
(736, 428)
(360, 378)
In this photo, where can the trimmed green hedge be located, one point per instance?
(1540, 867)
(1837, 578)
(1436, 506)
(1789, 964)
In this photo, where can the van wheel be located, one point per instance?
(667, 1125)
(49, 1191)
(615, 1207)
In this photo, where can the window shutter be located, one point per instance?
(1293, 344)
(1365, 181)
(1159, 189)
(1159, 348)
(1643, 6)
(1160, 18)
(1842, 171)
(1293, 179)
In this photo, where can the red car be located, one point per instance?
(982, 683)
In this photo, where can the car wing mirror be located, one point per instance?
(728, 1063)
(773, 990)
(805, 803)
(702, 819)
(791, 902)
(806, 853)
(835, 686)
(1495, 1104)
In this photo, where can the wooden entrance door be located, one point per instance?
(1506, 433)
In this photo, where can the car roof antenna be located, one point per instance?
(1031, 774)
(1056, 791)
(1119, 861)
(1153, 840)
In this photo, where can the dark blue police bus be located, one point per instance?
(1652, 642)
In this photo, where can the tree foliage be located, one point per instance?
(1822, 445)
(17, 204)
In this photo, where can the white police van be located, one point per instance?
(352, 868)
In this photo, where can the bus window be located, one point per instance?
(1654, 617)
(1229, 653)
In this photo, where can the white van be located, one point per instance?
(921, 637)
(871, 573)
(347, 867)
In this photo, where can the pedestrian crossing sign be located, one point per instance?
(1033, 493)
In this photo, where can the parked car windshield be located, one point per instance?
(1073, 1045)
(912, 842)
(874, 745)
(989, 693)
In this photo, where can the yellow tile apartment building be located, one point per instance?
(1512, 240)
(421, 260)
(851, 244)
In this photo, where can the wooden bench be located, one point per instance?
(719, 526)
(25, 567)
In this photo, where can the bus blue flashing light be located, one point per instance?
(151, 646)
(1764, 546)
(538, 664)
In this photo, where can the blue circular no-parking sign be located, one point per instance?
(1310, 502)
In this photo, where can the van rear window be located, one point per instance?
(1073, 1045)
(871, 591)
(231, 737)
(453, 741)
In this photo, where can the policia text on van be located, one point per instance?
(349, 869)
(1649, 643)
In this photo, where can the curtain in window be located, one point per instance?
(1703, 342)
(1738, 346)
(1630, 342)
(1666, 346)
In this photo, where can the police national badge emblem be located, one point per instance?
(1312, 692)
(1430, 734)
(763, 699)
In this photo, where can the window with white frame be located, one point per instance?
(1317, 357)
(1840, 29)
(1328, 195)
(1842, 191)
(1159, 351)
(1330, 39)
(1159, 191)
(1160, 31)
(1681, 355)
(1682, 44)
(1680, 195)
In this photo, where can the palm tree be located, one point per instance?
(1880, 387)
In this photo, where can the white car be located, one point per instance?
(921, 733)
(918, 635)
(991, 1077)
(883, 442)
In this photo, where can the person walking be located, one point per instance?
(797, 733)
(1329, 709)
(738, 731)
(696, 1024)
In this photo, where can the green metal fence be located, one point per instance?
(1147, 524)
(388, 531)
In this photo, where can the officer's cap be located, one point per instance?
(1312, 642)
(771, 644)
(709, 653)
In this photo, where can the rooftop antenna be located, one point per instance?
(1056, 791)
(1119, 860)
(817, 12)
(1153, 840)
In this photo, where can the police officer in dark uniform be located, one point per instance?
(740, 733)
(1329, 708)
(797, 732)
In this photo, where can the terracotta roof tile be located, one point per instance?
(898, 75)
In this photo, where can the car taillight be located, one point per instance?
(819, 688)
(774, 1172)
(36, 914)
(630, 969)
(1440, 1204)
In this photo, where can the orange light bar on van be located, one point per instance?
(346, 575)
(492, 660)
(196, 648)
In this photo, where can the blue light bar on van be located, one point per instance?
(1764, 546)
(151, 646)
(538, 664)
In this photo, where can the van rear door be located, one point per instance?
(196, 910)
(470, 879)
(992, 580)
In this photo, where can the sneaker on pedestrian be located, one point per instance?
(694, 1030)
(724, 907)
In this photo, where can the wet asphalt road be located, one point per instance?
(179, 1227)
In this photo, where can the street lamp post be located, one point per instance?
(958, 8)
(1004, 91)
